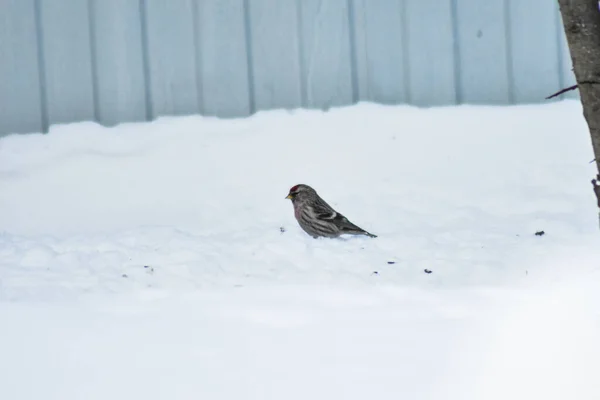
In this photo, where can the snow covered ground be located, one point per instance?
(161, 261)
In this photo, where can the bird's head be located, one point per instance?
(300, 191)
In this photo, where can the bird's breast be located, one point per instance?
(297, 211)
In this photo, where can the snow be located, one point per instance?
(161, 261)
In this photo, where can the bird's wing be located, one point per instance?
(333, 216)
(322, 210)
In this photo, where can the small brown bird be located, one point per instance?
(317, 218)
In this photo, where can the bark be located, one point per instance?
(581, 22)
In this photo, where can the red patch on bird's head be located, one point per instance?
(294, 188)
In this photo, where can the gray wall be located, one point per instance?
(132, 60)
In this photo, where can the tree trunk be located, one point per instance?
(581, 22)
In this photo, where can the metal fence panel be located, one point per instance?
(118, 61)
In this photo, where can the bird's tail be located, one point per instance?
(356, 230)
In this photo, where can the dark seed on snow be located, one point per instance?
(428, 271)
(391, 262)
(540, 233)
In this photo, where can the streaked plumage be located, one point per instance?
(317, 218)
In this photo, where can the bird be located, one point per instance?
(317, 218)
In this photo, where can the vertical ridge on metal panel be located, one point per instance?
(41, 66)
(275, 54)
(68, 61)
(360, 50)
(353, 60)
(119, 70)
(383, 68)
(20, 97)
(327, 52)
(197, 12)
(508, 49)
(249, 51)
(458, 95)
(172, 61)
(406, 65)
(143, 17)
(533, 25)
(224, 63)
(93, 59)
(430, 52)
(301, 50)
(483, 57)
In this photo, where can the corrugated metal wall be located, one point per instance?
(132, 60)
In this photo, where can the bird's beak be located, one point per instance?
(289, 196)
